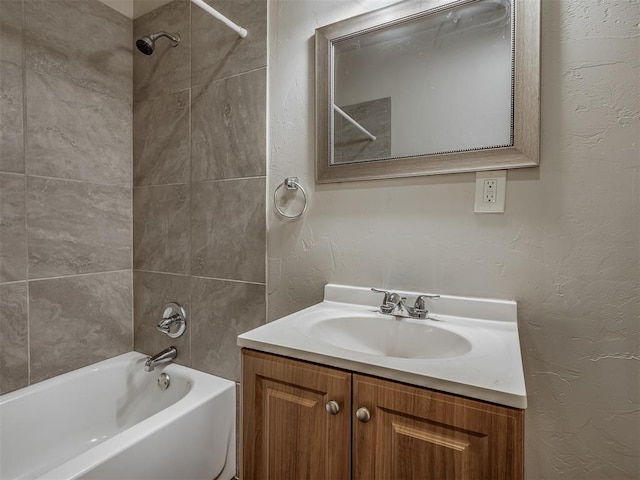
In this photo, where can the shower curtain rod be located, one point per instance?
(354, 122)
(213, 12)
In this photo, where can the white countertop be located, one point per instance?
(491, 370)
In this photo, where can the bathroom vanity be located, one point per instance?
(340, 390)
(303, 420)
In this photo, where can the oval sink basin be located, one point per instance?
(386, 336)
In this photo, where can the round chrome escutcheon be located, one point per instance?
(163, 381)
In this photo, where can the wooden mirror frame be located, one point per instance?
(525, 150)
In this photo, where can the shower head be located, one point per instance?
(147, 43)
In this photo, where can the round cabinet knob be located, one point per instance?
(332, 407)
(363, 414)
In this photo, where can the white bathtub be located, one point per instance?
(112, 421)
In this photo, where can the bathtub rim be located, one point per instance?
(204, 388)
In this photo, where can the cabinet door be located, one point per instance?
(420, 434)
(287, 431)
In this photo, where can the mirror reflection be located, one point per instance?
(438, 83)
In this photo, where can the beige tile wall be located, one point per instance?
(65, 187)
(199, 181)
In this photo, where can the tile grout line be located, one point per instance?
(190, 179)
(133, 186)
(14, 282)
(132, 180)
(88, 182)
(16, 174)
(201, 277)
(254, 177)
(24, 169)
(229, 280)
(162, 185)
(150, 98)
(235, 75)
(181, 184)
(75, 275)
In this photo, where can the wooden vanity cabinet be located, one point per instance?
(416, 433)
(287, 432)
(412, 433)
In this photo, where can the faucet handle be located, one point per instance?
(389, 302)
(420, 307)
(386, 294)
(173, 321)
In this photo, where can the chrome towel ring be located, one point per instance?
(291, 183)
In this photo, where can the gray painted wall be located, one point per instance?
(567, 248)
(65, 187)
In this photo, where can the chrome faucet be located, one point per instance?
(165, 356)
(393, 304)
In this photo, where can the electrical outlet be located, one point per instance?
(490, 191)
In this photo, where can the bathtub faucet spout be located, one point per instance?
(165, 356)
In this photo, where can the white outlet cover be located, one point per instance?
(501, 189)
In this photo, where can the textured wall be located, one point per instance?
(200, 173)
(567, 248)
(65, 187)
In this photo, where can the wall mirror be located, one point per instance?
(426, 87)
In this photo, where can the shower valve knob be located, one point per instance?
(174, 320)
